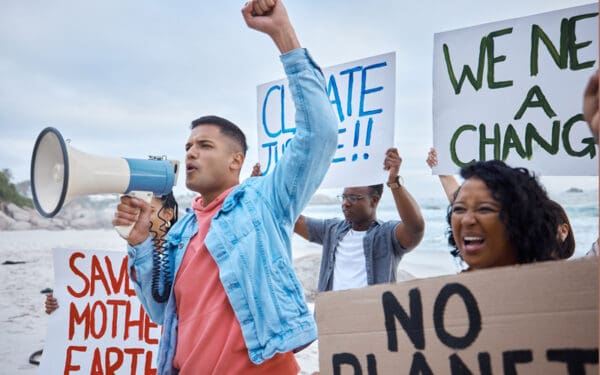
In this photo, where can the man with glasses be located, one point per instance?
(362, 250)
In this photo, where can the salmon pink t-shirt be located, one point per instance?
(209, 337)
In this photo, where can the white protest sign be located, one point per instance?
(362, 95)
(100, 326)
(513, 90)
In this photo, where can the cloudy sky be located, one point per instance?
(125, 78)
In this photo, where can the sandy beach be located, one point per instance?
(23, 321)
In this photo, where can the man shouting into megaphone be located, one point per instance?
(236, 306)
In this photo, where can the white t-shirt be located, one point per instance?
(350, 270)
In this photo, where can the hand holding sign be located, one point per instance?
(51, 303)
(256, 172)
(392, 162)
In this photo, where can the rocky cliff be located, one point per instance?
(79, 214)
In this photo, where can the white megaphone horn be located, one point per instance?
(60, 173)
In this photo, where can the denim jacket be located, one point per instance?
(382, 249)
(250, 237)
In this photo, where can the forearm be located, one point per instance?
(300, 228)
(410, 230)
(286, 40)
(306, 160)
(408, 209)
(140, 272)
(450, 186)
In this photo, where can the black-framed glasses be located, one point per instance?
(350, 197)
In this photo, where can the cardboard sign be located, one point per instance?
(533, 319)
(513, 91)
(100, 326)
(362, 94)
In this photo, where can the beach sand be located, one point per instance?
(23, 321)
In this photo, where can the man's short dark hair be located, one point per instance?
(376, 190)
(227, 128)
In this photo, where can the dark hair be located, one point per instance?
(228, 129)
(522, 209)
(169, 202)
(557, 215)
(376, 190)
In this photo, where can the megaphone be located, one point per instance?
(60, 173)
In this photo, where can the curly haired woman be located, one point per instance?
(500, 216)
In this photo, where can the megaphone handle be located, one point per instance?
(145, 195)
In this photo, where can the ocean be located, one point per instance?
(581, 207)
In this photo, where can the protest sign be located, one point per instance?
(362, 95)
(531, 319)
(513, 90)
(100, 326)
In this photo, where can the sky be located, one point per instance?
(125, 78)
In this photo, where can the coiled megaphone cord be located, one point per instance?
(161, 270)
